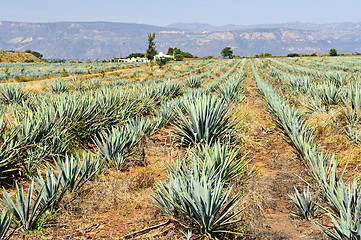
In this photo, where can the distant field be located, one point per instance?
(197, 149)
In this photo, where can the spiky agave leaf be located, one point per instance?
(346, 226)
(52, 188)
(9, 161)
(5, 221)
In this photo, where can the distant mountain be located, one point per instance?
(192, 26)
(348, 26)
(76, 40)
(104, 40)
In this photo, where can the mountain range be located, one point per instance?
(104, 40)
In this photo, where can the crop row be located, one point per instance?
(343, 201)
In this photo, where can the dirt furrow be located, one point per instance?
(279, 170)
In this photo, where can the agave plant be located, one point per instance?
(10, 149)
(144, 125)
(352, 133)
(207, 119)
(347, 226)
(92, 83)
(77, 170)
(116, 83)
(116, 145)
(328, 93)
(203, 204)
(27, 209)
(344, 199)
(354, 97)
(59, 87)
(13, 93)
(304, 202)
(42, 134)
(194, 81)
(220, 159)
(167, 111)
(231, 91)
(5, 221)
(187, 235)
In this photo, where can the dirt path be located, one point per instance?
(279, 168)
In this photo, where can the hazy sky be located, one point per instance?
(163, 12)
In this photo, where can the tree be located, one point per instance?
(162, 61)
(135, 55)
(178, 54)
(333, 52)
(293, 55)
(151, 52)
(36, 54)
(178, 57)
(227, 52)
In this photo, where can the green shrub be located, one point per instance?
(333, 52)
(293, 55)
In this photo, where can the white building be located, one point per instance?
(162, 55)
(133, 59)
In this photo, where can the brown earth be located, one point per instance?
(279, 169)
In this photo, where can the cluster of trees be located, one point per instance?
(333, 52)
(263, 55)
(36, 54)
(135, 55)
(178, 54)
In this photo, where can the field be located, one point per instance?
(261, 148)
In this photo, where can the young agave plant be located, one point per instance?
(304, 203)
(5, 220)
(207, 119)
(27, 209)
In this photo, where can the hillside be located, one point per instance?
(18, 57)
(104, 40)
